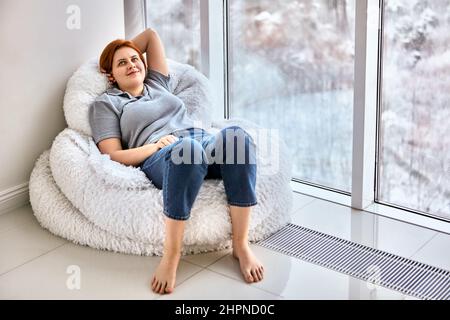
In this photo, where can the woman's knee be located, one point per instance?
(238, 146)
(229, 133)
(187, 151)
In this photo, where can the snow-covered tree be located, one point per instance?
(416, 97)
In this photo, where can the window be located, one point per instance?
(414, 131)
(178, 24)
(291, 66)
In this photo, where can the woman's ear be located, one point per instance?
(110, 77)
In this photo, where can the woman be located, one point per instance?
(139, 122)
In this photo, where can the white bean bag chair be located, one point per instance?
(82, 195)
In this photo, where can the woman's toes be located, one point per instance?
(254, 275)
(160, 287)
(249, 277)
(258, 275)
(170, 286)
(261, 272)
(169, 289)
(163, 288)
(156, 286)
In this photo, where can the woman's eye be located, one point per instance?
(121, 63)
(134, 59)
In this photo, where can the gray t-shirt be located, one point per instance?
(139, 120)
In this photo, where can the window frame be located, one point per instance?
(378, 144)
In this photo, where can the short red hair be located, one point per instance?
(106, 58)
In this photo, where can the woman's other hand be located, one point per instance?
(166, 141)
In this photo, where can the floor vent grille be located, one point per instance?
(372, 265)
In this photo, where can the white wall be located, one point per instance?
(38, 54)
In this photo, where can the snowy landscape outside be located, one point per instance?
(292, 69)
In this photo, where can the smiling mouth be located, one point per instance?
(131, 73)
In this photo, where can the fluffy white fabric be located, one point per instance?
(80, 194)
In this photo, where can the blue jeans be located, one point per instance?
(180, 168)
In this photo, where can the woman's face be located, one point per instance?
(128, 69)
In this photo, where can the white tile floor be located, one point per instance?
(35, 264)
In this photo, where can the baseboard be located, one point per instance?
(14, 197)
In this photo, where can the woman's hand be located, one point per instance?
(166, 141)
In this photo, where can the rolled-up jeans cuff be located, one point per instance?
(175, 217)
(236, 204)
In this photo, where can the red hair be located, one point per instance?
(106, 58)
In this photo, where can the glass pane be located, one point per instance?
(291, 69)
(414, 130)
(178, 24)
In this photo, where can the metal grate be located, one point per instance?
(375, 266)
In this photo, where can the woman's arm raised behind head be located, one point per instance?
(149, 42)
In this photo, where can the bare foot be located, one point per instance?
(251, 268)
(163, 280)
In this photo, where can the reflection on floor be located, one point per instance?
(35, 264)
